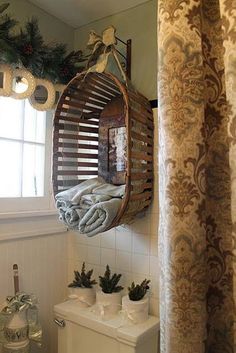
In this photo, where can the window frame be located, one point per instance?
(36, 203)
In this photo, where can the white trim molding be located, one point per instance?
(32, 233)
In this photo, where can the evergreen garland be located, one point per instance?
(30, 47)
(70, 66)
(27, 49)
(7, 51)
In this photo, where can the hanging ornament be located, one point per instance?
(6, 75)
(41, 101)
(59, 88)
(24, 82)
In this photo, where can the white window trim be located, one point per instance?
(43, 206)
(9, 236)
(28, 214)
(45, 203)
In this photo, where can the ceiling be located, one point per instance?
(77, 13)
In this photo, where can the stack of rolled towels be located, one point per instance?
(91, 206)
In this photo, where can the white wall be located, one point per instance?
(130, 250)
(52, 29)
(42, 258)
(42, 265)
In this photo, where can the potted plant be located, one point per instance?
(136, 303)
(109, 298)
(82, 287)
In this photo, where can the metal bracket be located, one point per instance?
(127, 58)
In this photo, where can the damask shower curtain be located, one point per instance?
(197, 171)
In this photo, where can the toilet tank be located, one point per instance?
(80, 330)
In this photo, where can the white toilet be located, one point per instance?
(80, 330)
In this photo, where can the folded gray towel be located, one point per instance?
(73, 216)
(91, 206)
(74, 194)
(91, 199)
(110, 190)
(99, 217)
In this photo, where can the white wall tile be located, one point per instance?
(123, 240)
(42, 265)
(154, 307)
(141, 244)
(80, 238)
(154, 266)
(130, 249)
(108, 239)
(153, 220)
(81, 252)
(154, 287)
(123, 260)
(153, 245)
(93, 241)
(141, 225)
(140, 264)
(108, 256)
(94, 256)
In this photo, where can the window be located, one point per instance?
(24, 156)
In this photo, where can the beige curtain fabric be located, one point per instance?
(197, 143)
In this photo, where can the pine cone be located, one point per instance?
(28, 49)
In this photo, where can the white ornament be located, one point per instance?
(59, 88)
(51, 95)
(7, 76)
(25, 76)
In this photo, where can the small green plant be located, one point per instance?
(138, 291)
(109, 282)
(83, 279)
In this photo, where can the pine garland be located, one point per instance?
(7, 40)
(27, 49)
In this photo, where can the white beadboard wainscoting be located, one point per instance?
(130, 250)
(39, 246)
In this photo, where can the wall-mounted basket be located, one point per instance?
(78, 149)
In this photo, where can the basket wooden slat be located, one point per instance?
(76, 138)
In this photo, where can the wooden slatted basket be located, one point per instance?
(76, 139)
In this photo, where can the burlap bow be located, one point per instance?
(102, 47)
(19, 302)
(15, 304)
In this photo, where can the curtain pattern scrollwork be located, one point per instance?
(197, 171)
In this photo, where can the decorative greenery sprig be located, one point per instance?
(27, 49)
(138, 291)
(109, 282)
(83, 279)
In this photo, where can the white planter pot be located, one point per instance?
(84, 296)
(16, 330)
(109, 304)
(136, 311)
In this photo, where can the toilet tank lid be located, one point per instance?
(129, 334)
